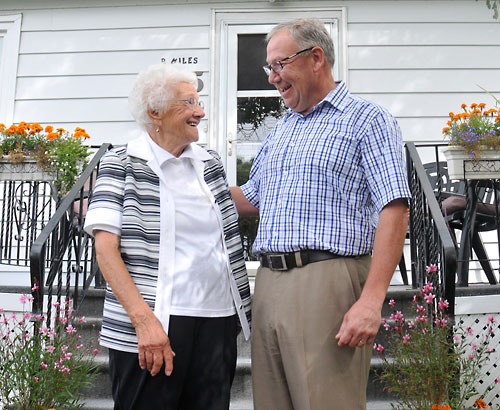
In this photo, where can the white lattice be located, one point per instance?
(491, 369)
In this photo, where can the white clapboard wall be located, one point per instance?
(77, 60)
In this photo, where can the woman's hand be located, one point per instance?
(154, 346)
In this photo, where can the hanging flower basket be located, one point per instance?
(26, 170)
(462, 165)
(38, 154)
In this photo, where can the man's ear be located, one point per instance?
(318, 57)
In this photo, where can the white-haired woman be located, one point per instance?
(168, 245)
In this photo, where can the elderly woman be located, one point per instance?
(168, 245)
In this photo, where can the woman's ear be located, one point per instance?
(154, 115)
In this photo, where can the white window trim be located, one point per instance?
(10, 30)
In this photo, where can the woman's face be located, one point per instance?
(179, 123)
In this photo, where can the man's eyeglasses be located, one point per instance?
(191, 102)
(277, 66)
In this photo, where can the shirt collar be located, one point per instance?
(337, 98)
(192, 151)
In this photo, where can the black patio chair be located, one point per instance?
(454, 203)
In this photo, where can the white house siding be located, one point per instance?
(77, 59)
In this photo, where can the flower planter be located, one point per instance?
(27, 170)
(461, 165)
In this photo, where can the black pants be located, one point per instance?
(204, 367)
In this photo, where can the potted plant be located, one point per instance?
(43, 154)
(432, 363)
(474, 141)
(43, 368)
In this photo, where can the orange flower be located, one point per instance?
(473, 106)
(445, 407)
(435, 406)
(446, 129)
(480, 403)
(51, 136)
(61, 131)
(464, 106)
(482, 105)
(451, 114)
(36, 127)
(49, 128)
(449, 123)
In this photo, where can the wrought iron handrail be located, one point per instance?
(430, 239)
(65, 248)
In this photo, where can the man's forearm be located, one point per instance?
(243, 205)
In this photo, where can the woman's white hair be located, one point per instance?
(153, 87)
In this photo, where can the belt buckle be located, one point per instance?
(275, 260)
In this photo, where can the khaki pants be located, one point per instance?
(296, 363)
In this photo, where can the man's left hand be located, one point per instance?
(360, 325)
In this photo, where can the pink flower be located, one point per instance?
(491, 319)
(406, 338)
(443, 304)
(95, 351)
(428, 288)
(429, 298)
(70, 329)
(387, 327)
(23, 299)
(44, 365)
(471, 356)
(431, 268)
(35, 287)
(55, 304)
(50, 349)
(378, 348)
(497, 381)
(392, 303)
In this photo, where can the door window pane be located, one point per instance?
(251, 58)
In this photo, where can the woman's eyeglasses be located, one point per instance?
(191, 102)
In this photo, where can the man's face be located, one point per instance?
(293, 81)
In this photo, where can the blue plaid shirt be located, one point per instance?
(320, 180)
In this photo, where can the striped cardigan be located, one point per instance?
(128, 190)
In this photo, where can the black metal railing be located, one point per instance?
(26, 207)
(65, 250)
(430, 240)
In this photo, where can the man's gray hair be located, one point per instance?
(153, 87)
(307, 33)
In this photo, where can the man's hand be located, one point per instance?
(154, 347)
(360, 325)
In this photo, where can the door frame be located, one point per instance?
(227, 24)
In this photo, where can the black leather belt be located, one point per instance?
(286, 261)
